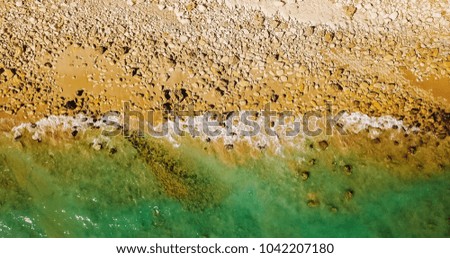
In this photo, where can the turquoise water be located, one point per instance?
(64, 188)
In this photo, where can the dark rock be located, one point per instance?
(349, 195)
(274, 98)
(71, 104)
(229, 146)
(323, 145)
(305, 175)
(167, 94)
(313, 203)
(348, 169)
(412, 150)
(415, 111)
(376, 140)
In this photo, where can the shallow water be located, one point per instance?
(64, 188)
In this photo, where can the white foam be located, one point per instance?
(357, 122)
(232, 130)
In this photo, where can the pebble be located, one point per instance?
(184, 39)
(323, 145)
(201, 8)
(393, 16)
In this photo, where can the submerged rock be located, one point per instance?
(323, 145)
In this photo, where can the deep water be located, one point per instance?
(146, 188)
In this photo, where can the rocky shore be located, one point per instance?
(72, 57)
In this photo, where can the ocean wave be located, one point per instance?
(250, 127)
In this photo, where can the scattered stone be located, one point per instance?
(71, 104)
(17, 135)
(412, 150)
(348, 170)
(36, 137)
(393, 16)
(349, 195)
(350, 10)
(323, 145)
(305, 175)
(184, 39)
(201, 8)
(229, 146)
(97, 146)
(113, 150)
(313, 203)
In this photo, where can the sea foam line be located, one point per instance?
(231, 132)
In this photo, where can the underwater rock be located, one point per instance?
(323, 145)
(348, 169)
(305, 175)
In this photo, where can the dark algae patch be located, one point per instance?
(145, 187)
(182, 174)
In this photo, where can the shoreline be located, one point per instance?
(159, 62)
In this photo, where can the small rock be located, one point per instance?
(376, 140)
(71, 104)
(348, 169)
(36, 137)
(323, 145)
(393, 16)
(349, 195)
(201, 8)
(305, 175)
(313, 203)
(184, 21)
(350, 10)
(184, 39)
(17, 135)
(97, 146)
(328, 37)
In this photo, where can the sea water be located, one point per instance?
(145, 187)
